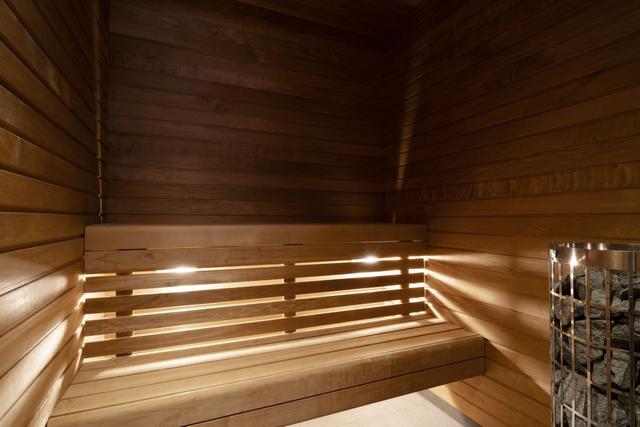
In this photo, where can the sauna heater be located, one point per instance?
(595, 334)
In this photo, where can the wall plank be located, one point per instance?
(243, 113)
(49, 143)
(514, 128)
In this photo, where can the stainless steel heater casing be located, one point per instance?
(594, 291)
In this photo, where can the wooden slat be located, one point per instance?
(28, 194)
(542, 33)
(19, 155)
(17, 380)
(133, 156)
(331, 402)
(259, 101)
(149, 128)
(55, 391)
(105, 237)
(256, 36)
(137, 302)
(156, 173)
(527, 137)
(38, 94)
(120, 324)
(439, 256)
(467, 279)
(18, 341)
(182, 95)
(98, 368)
(22, 120)
(157, 300)
(254, 246)
(346, 155)
(161, 109)
(496, 407)
(138, 343)
(25, 265)
(537, 370)
(499, 334)
(535, 411)
(28, 299)
(586, 227)
(49, 187)
(20, 230)
(28, 404)
(212, 208)
(267, 104)
(107, 374)
(129, 52)
(222, 219)
(467, 407)
(535, 326)
(149, 281)
(154, 259)
(357, 360)
(45, 36)
(517, 381)
(29, 50)
(317, 14)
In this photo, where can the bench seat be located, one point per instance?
(270, 384)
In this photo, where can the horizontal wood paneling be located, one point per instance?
(266, 286)
(517, 127)
(245, 112)
(49, 143)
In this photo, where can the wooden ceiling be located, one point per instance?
(372, 18)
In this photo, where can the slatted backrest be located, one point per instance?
(153, 287)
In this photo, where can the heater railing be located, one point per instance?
(595, 334)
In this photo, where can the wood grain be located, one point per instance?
(515, 127)
(49, 143)
(272, 107)
(350, 368)
(253, 280)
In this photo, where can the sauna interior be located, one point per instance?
(261, 212)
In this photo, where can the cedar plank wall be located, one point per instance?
(51, 52)
(519, 126)
(226, 112)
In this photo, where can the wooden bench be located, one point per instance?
(256, 325)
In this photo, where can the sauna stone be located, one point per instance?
(581, 392)
(596, 282)
(619, 416)
(581, 353)
(598, 331)
(621, 367)
(620, 371)
(620, 335)
(566, 312)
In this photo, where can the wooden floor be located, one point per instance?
(420, 409)
(274, 384)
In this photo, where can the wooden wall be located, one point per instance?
(50, 131)
(519, 125)
(227, 112)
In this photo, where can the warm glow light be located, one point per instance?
(370, 259)
(573, 261)
(181, 269)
